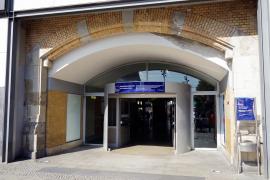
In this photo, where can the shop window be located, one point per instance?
(112, 112)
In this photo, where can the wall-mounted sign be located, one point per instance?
(139, 87)
(245, 109)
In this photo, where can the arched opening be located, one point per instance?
(139, 57)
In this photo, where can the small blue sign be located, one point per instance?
(139, 87)
(245, 109)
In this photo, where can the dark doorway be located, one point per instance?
(152, 121)
(94, 120)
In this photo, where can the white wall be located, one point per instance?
(3, 53)
(246, 69)
(37, 4)
(3, 49)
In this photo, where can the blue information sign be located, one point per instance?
(139, 87)
(245, 109)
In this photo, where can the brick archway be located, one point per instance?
(50, 38)
(79, 30)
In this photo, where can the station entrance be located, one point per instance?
(150, 121)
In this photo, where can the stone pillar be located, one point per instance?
(35, 106)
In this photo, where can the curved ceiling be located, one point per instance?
(92, 59)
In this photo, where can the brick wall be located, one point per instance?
(217, 20)
(211, 24)
(241, 14)
(56, 119)
(56, 123)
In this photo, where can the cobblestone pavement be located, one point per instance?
(37, 170)
(136, 163)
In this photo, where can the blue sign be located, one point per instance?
(139, 87)
(245, 109)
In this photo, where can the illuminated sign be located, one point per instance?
(139, 87)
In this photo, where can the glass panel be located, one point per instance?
(204, 86)
(168, 76)
(125, 112)
(205, 121)
(156, 72)
(222, 120)
(112, 112)
(94, 120)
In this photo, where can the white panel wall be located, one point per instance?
(3, 54)
(73, 117)
(3, 50)
(37, 4)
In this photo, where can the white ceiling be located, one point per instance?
(96, 57)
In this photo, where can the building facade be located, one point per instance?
(65, 64)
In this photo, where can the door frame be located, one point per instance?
(118, 98)
(97, 94)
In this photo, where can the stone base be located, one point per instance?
(38, 154)
(64, 147)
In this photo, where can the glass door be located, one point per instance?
(124, 128)
(94, 119)
(204, 113)
(171, 114)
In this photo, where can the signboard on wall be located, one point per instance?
(245, 109)
(139, 87)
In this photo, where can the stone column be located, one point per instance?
(35, 106)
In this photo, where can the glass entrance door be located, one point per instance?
(94, 119)
(205, 129)
(171, 114)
